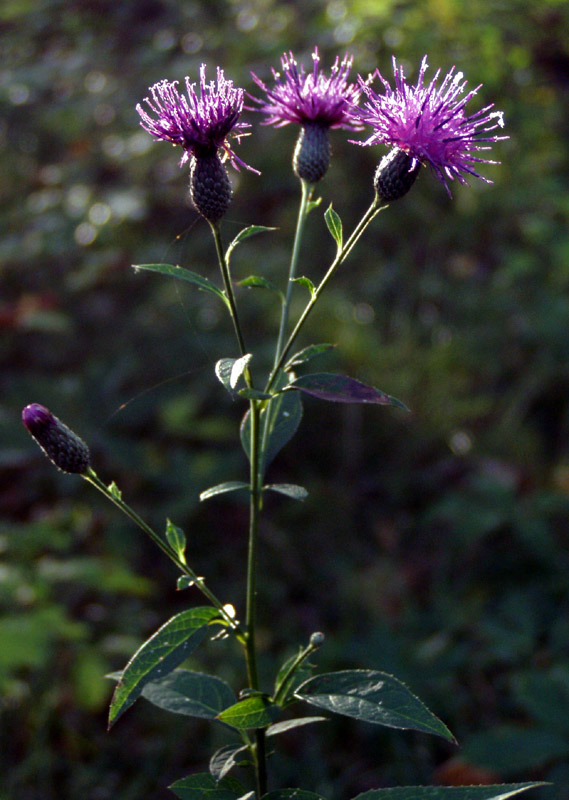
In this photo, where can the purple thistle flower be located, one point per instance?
(201, 123)
(316, 102)
(61, 445)
(429, 124)
(310, 97)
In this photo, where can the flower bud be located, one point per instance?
(64, 448)
(317, 639)
(395, 175)
(210, 188)
(312, 152)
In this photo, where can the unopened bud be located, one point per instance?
(210, 188)
(395, 175)
(312, 152)
(317, 639)
(64, 448)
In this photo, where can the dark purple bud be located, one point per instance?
(210, 189)
(64, 448)
(312, 152)
(395, 175)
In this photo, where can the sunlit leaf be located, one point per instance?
(334, 224)
(252, 712)
(246, 233)
(185, 275)
(289, 489)
(496, 792)
(222, 488)
(191, 693)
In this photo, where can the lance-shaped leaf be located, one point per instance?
(191, 693)
(279, 422)
(306, 354)
(159, 655)
(334, 224)
(176, 539)
(258, 282)
(255, 711)
(290, 724)
(222, 488)
(246, 233)
(185, 275)
(372, 696)
(288, 489)
(224, 759)
(341, 389)
(496, 792)
(307, 283)
(203, 786)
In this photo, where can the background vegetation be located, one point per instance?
(433, 545)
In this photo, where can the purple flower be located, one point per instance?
(430, 124)
(310, 97)
(64, 448)
(201, 123)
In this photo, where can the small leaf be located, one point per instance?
(223, 369)
(306, 354)
(341, 389)
(204, 787)
(184, 582)
(372, 696)
(252, 712)
(254, 394)
(312, 204)
(252, 230)
(290, 724)
(257, 282)
(334, 224)
(290, 489)
(279, 422)
(496, 792)
(224, 759)
(190, 693)
(185, 275)
(114, 490)
(159, 655)
(293, 679)
(292, 794)
(176, 539)
(238, 368)
(306, 282)
(222, 488)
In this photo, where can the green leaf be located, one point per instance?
(496, 792)
(334, 224)
(252, 230)
(176, 539)
(306, 354)
(159, 655)
(290, 724)
(225, 759)
(290, 489)
(372, 696)
(190, 693)
(114, 490)
(222, 488)
(294, 680)
(306, 282)
(230, 370)
(312, 204)
(204, 787)
(257, 282)
(254, 394)
(184, 582)
(185, 275)
(280, 418)
(341, 389)
(252, 712)
(292, 794)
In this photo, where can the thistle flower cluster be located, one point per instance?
(61, 445)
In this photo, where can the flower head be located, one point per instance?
(430, 124)
(200, 122)
(303, 97)
(64, 448)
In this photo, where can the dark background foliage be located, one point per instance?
(433, 545)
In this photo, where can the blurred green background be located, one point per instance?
(433, 545)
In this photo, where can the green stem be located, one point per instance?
(306, 189)
(341, 255)
(281, 692)
(224, 267)
(92, 478)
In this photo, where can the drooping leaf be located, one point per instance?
(292, 794)
(306, 282)
(281, 418)
(290, 724)
(203, 786)
(289, 489)
(222, 488)
(372, 696)
(496, 792)
(306, 354)
(255, 711)
(191, 693)
(334, 224)
(176, 538)
(258, 282)
(224, 759)
(159, 655)
(185, 275)
(341, 389)
(246, 233)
